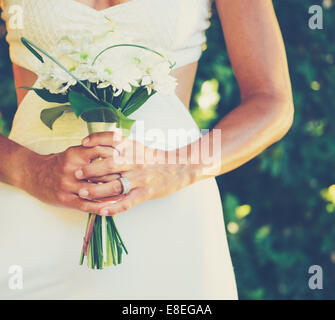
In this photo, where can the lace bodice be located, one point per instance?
(177, 26)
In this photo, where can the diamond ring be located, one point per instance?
(126, 185)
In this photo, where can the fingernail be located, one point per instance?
(79, 174)
(86, 141)
(104, 211)
(83, 193)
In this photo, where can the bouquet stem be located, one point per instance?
(102, 243)
(88, 235)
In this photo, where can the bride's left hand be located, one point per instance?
(147, 169)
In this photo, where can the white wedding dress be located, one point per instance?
(177, 245)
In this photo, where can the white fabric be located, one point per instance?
(175, 25)
(177, 245)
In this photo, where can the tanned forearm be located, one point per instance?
(13, 161)
(257, 123)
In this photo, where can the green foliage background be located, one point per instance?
(280, 207)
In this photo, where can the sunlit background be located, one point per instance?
(279, 208)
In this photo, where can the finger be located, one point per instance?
(111, 200)
(103, 168)
(134, 197)
(99, 152)
(74, 186)
(107, 178)
(113, 139)
(75, 202)
(88, 154)
(104, 190)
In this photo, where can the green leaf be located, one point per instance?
(123, 121)
(127, 96)
(49, 116)
(136, 101)
(102, 114)
(92, 111)
(47, 96)
(31, 49)
(30, 45)
(81, 104)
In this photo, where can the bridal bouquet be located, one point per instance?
(103, 81)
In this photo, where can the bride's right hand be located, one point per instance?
(51, 178)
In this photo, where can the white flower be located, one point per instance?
(122, 67)
(161, 80)
(117, 92)
(104, 85)
(146, 80)
(119, 69)
(54, 79)
(87, 72)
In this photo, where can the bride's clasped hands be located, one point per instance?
(75, 179)
(50, 178)
(151, 173)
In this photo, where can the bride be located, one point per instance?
(171, 218)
